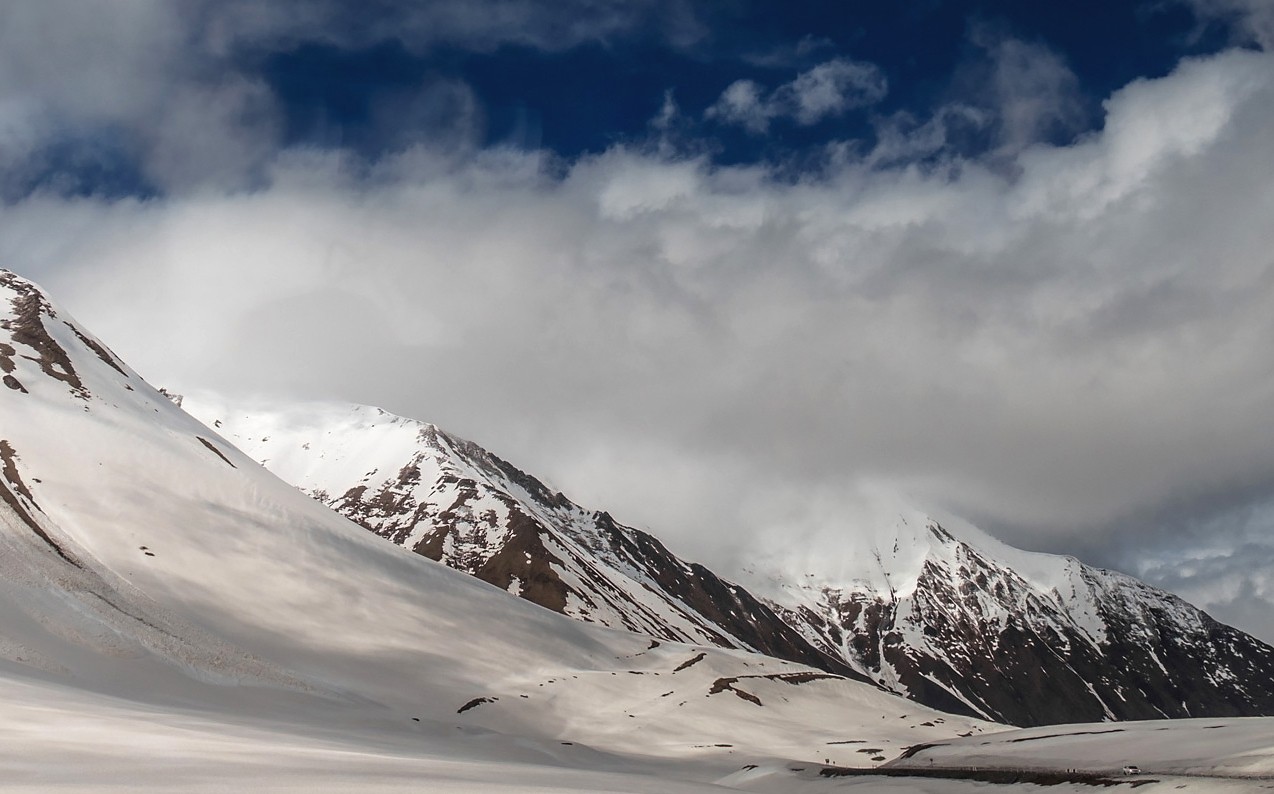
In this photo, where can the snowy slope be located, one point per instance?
(940, 612)
(58, 739)
(452, 501)
(147, 559)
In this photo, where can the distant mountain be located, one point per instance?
(938, 612)
(968, 624)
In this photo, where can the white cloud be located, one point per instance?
(828, 90)
(690, 346)
(831, 89)
(1006, 345)
(743, 103)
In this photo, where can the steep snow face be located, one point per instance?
(146, 558)
(452, 501)
(956, 619)
(937, 611)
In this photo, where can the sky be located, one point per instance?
(727, 270)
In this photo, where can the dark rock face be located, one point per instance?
(977, 638)
(495, 522)
(15, 493)
(26, 327)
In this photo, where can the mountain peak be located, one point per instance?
(43, 346)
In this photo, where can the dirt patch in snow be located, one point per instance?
(473, 704)
(724, 684)
(689, 663)
(800, 678)
(1057, 735)
(1002, 777)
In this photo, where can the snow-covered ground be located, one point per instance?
(1238, 747)
(58, 738)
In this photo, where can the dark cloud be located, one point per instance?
(1216, 552)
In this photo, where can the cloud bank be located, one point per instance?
(1071, 343)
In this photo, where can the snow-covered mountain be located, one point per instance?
(156, 580)
(958, 620)
(937, 611)
(452, 501)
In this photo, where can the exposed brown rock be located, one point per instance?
(473, 704)
(27, 329)
(215, 451)
(12, 488)
(101, 351)
(690, 662)
(727, 684)
(524, 556)
(6, 357)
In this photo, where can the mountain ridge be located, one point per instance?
(936, 611)
(450, 500)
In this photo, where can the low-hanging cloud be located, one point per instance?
(725, 354)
